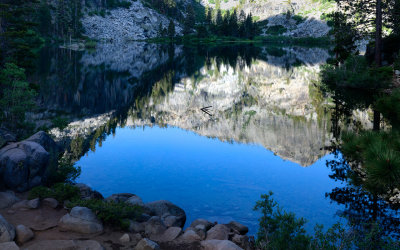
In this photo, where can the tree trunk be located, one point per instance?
(378, 34)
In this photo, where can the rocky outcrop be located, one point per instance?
(135, 23)
(164, 209)
(81, 220)
(24, 234)
(7, 231)
(7, 199)
(146, 244)
(23, 164)
(9, 246)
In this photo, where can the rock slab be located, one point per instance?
(81, 220)
(7, 231)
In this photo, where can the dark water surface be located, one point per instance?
(138, 126)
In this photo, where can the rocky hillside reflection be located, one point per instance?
(259, 95)
(269, 101)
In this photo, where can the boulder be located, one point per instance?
(189, 236)
(243, 241)
(9, 246)
(50, 202)
(33, 204)
(162, 207)
(135, 200)
(88, 193)
(7, 199)
(122, 197)
(154, 227)
(204, 222)
(219, 245)
(45, 141)
(136, 227)
(146, 244)
(170, 234)
(81, 220)
(125, 238)
(7, 231)
(218, 232)
(23, 165)
(171, 221)
(242, 229)
(24, 234)
(6, 137)
(66, 245)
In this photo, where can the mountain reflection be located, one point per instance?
(259, 95)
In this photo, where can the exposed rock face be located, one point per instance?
(154, 227)
(207, 225)
(50, 202)
(7, 231)
(162, 207)
(66, 244)
(135, 200)
(7, 199)
(23, 164)
(81, 220)
(6, 137)
(136, 23)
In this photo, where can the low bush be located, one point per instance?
(60, 191)
(111, 213)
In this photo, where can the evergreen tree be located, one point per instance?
(160, 30)
(171, 29)
(218, 22)
(189, 20)
(208, 16)
(233, 24)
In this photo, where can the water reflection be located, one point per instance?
(264, 96)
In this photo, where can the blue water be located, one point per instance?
(209, 179)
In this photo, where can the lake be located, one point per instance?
(140, 126)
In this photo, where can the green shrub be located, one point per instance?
(111, 213)
(389, 106)
(276, 30)
(279, 229)
(60, 122)
(62, 172)
(355, 73)
(60, 191)
(90, 44)
(299, 19)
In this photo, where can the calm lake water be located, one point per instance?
(139, 127)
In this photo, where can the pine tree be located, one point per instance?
(218, 22)
(233, 23)
(160, 32)
(171, 29)
(189, 20)
(208, 16)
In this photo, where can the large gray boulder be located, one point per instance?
(236, 226)
(7, 199)
(88, 193)
(154, 227)
(9, 246)
(204, 222)
(189, 236)
(135, 200)
(146, 244)
(162, 208)
(218, 232)
(81, 220)
(169, 235)
(219, 245)
(65, 244)
(6, 137)
(7, 231)
(23, 164)
(122, 197)
(24, 234)
(45, 141)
